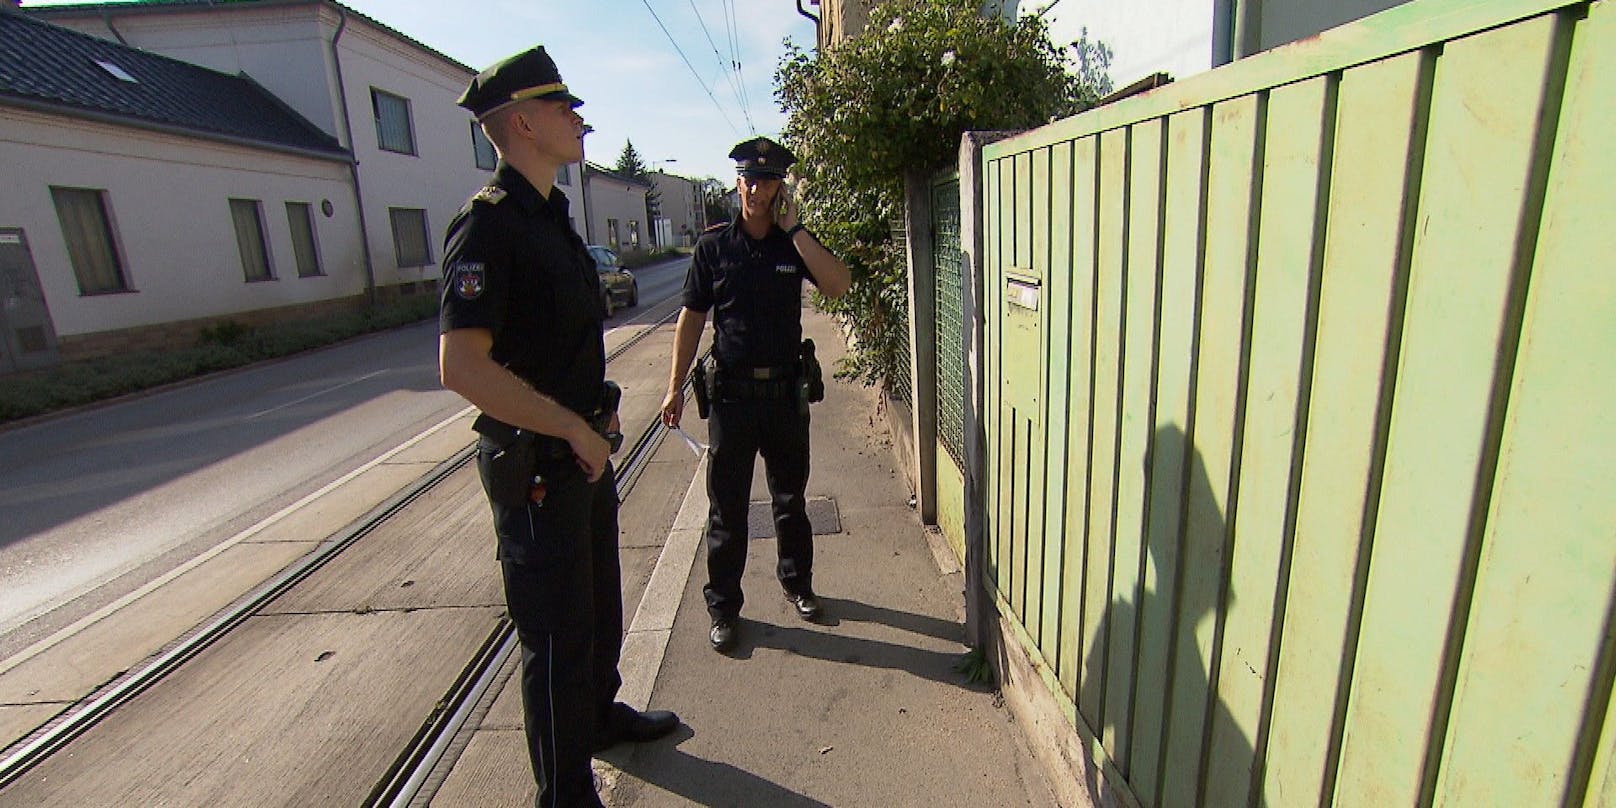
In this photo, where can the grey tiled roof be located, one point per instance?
(47, 66)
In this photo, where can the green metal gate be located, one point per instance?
(1299, 458)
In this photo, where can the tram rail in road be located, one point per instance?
(404, 780)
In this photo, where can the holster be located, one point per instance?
(702, 380)
(508, 471)
(813, 376)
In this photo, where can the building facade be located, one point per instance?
(681, 217)
(140, 207)
(616, 210)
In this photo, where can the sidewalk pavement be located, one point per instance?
(863, 708)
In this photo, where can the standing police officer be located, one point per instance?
(750, 273)
(522, 341)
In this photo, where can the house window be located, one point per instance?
(87, 229)
(634, 234)
(410, 242)
(482, 148)
(611, 233)
(564, 175)
(248, 217)
(301, 221)
(394, 131)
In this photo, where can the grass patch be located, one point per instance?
(226, 345)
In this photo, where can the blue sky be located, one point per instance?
(614, 56)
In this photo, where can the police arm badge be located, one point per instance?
(468, 279)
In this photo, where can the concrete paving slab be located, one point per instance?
(441, 444)
(862, 708)
(287, 710)
(18, 721)
(507, 710)
(492, 773)
(339, 507)
(96, 653)
(437, 551)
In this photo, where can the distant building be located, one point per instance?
(680, 204)
(616, 209)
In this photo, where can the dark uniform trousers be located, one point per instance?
(563, 592)
(741, 430)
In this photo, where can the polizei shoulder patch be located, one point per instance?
(468, 279)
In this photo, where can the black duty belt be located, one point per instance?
(762, 374)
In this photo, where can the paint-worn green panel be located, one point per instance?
(1289, 229)
(1034, 536)
(1180, 285)
(1400, 29)
(1000, 186)
(1483, 121)
(1085, 174)
(951, 502)
(1376, 108)
(1223, 307)
(1602, 785)
(1111, 250)
(1022, 241)
(1138, 388)
(1060, 485)
(1548, 557)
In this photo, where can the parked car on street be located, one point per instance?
(619, 289)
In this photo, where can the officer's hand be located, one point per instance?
(672, 407)
(591, 451)
(787, 217)
(616, 424)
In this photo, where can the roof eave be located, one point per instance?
(337, 156)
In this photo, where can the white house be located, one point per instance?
(385, 97)
(146, 197)
(615, 209)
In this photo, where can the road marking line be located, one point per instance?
(151, 586)
(315, 394)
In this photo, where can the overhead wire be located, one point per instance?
(693, 72)
(734, 85)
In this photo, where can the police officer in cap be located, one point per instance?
(749, 273)
(521, 339)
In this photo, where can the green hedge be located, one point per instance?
(226, 345)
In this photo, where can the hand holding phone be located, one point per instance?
(785, 206)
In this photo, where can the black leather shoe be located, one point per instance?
(628, 725)
(723, 634)
(807, 605)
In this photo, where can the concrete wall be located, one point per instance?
(168, 201)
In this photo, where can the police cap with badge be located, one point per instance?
(761, 157)
(530, 74)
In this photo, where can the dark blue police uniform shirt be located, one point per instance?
(754, 289)
(513, 265)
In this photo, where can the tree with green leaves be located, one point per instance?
(892, 103)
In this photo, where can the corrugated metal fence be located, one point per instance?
(1301, 460)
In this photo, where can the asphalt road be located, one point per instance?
(94, 504)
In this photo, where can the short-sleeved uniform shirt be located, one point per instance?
(513, 265)
(753, 287)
